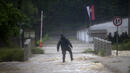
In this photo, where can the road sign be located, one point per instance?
(117, 21)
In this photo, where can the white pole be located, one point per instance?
(41, 25)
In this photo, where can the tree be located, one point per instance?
(9, 19)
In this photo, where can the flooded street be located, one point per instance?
(51, 62)
(64, 36)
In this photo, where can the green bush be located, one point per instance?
(9, 54)
(36, 50)
(46, 37)
(122, 46)
(125, 46)
(102, 52)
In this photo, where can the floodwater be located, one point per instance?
(51, 61)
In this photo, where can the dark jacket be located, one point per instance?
(64, 43)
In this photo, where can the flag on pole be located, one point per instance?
(91, 12)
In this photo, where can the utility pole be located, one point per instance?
(41, 28)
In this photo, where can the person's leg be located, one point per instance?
(63, 58)
(71, 55)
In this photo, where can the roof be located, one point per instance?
(98, 31)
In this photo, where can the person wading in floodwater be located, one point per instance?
(65, 46)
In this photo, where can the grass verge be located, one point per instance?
(11, 54)
(89, 51)
(122, 46)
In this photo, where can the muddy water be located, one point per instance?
(51, 62)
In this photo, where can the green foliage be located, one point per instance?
(122, 46)
(102, 52)
(114, 47)
(44, 39)
(11, 54)
(56, 13)
(62, 12)
(89, 51)
(129, 69)
(31, 11)
(36, 50)
(70, 11)
(9, 18)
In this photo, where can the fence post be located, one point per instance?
(27, 49)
